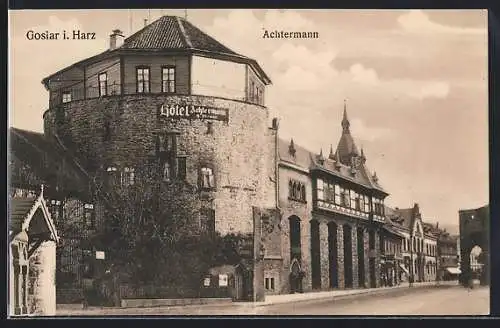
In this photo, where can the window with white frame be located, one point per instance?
(207, 180)
(103, 84)
(112, 175)
(168, 79)
(143, 82)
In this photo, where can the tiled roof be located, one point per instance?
(45, 161)
(307, 160)
(18, 210)
(402, 217)
(172, 33)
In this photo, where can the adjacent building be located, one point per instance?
(419, 246)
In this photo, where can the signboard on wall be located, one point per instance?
(193, 112)
(100, 255)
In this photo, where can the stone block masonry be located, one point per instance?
(354, 238)
(42, 288)
(324, 253)
(340, 256)
(120, 131)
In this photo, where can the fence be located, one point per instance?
(154, 291)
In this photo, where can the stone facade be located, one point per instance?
(42, 289)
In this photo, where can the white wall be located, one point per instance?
(218, 78)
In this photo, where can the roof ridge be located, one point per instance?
(187, 40)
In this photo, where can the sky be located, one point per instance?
(415, 84)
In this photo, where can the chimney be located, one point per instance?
(116, 39)
(145, 22)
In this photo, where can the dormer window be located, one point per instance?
(66, 96)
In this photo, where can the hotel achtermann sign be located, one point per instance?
(193, 112)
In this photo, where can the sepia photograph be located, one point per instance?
(248, 162)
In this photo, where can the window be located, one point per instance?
(269, 283)
(337, 194)
(168, 79)
(344, 197)
(128, 176)
(181, 168)
(66, 96)
(207, 178)
(297, 190)
(252, 86)
(319, 186)
(167, 171)
(367, 204)
(56, 210)
(89, 216)
(143, 80)
(166, 143)
(207, 221)
(112, 175)
(103, 84)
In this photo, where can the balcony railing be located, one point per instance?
(79, 92)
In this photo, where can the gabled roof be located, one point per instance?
(22, 210)
(45, 161)
(172, 33)
(308, 160)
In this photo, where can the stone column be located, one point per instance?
(366, 240)
(377, 258)
(354, 238)
(305, 245)
(44, 288)
(340, 255)
(324, 255)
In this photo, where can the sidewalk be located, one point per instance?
(244, 307)
(290, 298)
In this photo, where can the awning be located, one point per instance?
(404, 269)
(453, 270)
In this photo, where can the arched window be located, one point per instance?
(290, 189)
(303, 193)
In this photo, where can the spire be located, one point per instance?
(321, 158)
(345, 120)
(332, 154)
(374, 177)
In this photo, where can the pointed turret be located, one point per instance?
(363, 158)
(374, 177)
(332, 154)
(321, 158)
(338, 165)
